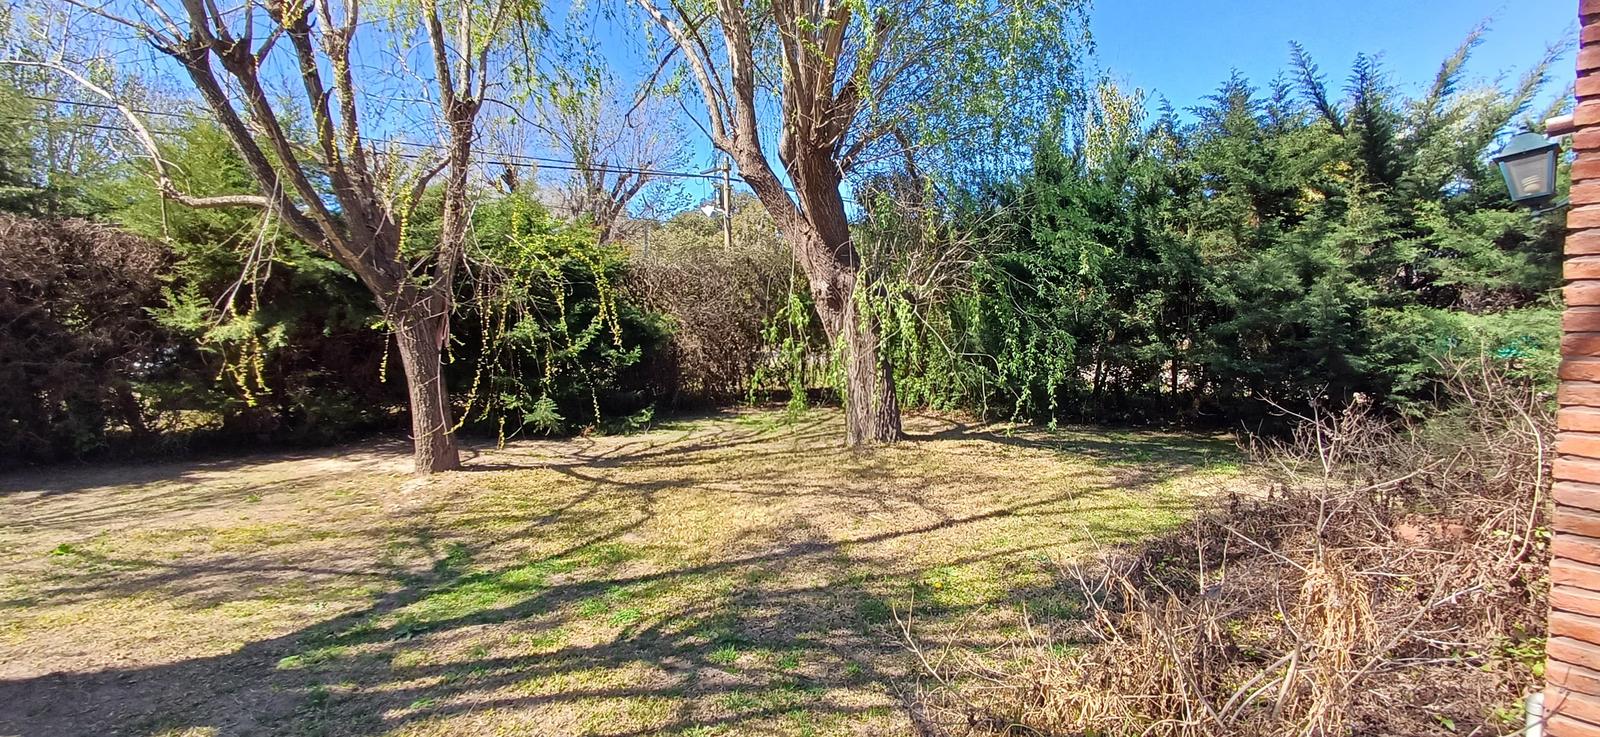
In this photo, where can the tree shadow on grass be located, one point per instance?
(795, 634)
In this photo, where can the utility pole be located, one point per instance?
(724, 201)
(727, 205)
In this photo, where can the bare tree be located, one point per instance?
(853, 81)
(618, 145)
(332, 187)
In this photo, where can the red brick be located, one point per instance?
(1575, 705)
(1570, 599)
(1581, 549)
(1589, 216)
(1578, 393)
(1573, 678)
(1588, 7)
(1559, 725)
(1582, 267)
(1590, 34)
(1587, 139)
(1576, 468)
(1586, 192)
(1575, 521)
(1581, 706)
(1584, 444)
(1583, 293)
(1580, 419)
(1565, 572)
(1580, 369)
(1580, 344)
(1577, 494)
(1568, 650)
(1587, 113)
(1589, 168)
(1576, 626)
(1583, 242)
(1581, 318)
(1589, 58)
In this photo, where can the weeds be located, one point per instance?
(1390, 581)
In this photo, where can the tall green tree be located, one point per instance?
(855, 84)
(1277, 245)
(331, 186)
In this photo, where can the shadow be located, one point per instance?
(788, 627)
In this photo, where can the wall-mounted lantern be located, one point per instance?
(1528, 164)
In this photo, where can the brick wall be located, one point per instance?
(1572, 692)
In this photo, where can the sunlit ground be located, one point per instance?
(737, 574)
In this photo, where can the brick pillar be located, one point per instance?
(1572, 675)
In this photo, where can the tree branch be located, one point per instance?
(700, 66)
(167, 187)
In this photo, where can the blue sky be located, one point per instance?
(1183, 49)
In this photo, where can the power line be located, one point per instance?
(562, 164)
(520, 159)
(105, 106)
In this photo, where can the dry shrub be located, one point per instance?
(75, 334)
(1390, 581)
(717, 299)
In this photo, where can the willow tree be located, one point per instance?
(261, 64)
(847, 87)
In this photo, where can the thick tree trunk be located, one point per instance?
(819, 233)
(128, 407)
(872, 406)
(431, 422)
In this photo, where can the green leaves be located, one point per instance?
(545, 327)
(1283, 247)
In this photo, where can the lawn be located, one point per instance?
(733, 574)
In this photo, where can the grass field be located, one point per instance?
(730, 575)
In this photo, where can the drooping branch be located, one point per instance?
(141, 133)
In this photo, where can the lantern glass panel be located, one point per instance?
(1530, 177)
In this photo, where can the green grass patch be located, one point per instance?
(313, 658)
(748, 545)
(724, 655)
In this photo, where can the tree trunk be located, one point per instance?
(820, 237)
(1173, 370)
(872, 406)
(432, 428)
(128, 407)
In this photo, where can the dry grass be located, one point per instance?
(1393, 583)
(731, 575)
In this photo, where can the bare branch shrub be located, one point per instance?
(74, 334)
(1390, 580)
(718, 300)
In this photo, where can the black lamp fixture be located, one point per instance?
(1528, 162)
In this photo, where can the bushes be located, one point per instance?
(76, 335)
(110, 340)
(1281, 246)
(1390, 580)
(275, 340)
(718, 301)
(550, 340)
